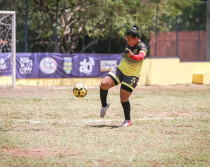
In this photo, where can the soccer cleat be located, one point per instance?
(127, 123)
(103, 110)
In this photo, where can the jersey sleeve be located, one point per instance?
(142, 52)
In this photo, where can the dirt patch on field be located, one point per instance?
(28, 91)
(39, 152)
(174, 114)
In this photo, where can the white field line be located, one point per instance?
(89, 120)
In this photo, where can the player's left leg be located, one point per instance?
(125, 93)
(128, 85)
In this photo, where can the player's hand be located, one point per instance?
(130, 53)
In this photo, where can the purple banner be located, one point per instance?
(5, 64)
(56, 65)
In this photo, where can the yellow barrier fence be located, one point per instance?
(155, 71)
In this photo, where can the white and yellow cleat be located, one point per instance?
(103, 110)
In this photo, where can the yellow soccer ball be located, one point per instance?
(80, 90)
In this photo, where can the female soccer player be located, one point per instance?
(127, 73)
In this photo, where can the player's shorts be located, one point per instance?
(128, 83)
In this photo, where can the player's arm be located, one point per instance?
(141, 55)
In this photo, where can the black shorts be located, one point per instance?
(128, 83)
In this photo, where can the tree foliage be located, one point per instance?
(101, 20)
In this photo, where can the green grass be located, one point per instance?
(64, 138)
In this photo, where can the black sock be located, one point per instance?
(103, 95)
(126, 107)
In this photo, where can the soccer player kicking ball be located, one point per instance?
(127, 73)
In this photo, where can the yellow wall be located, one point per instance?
(51, 82)
(60, 82)
(167, 71)
(5, 80)
(161, 72)
(155, 71)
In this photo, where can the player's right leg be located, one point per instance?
(106, 84)
(112, 79)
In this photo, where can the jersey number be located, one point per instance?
(133, 80)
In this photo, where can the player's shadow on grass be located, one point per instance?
(104, 126)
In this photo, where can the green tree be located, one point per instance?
(99, 18)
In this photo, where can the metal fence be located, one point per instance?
(185, 36)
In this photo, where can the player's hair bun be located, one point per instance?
(135, 27)
(134, 31)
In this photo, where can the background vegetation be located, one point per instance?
(105, 22)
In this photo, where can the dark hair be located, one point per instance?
(134, 31)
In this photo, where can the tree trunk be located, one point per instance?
(208, 32)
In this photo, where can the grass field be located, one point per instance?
(45, 126)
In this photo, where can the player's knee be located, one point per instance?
(124, 95)
(124, 99)
(105, 84)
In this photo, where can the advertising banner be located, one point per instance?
(5, 64)
(57, 65)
